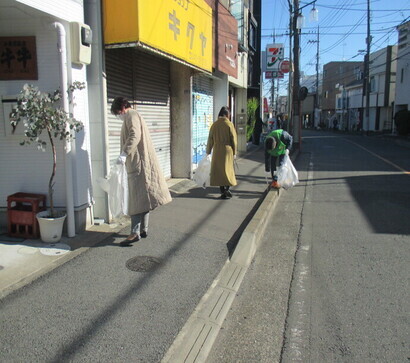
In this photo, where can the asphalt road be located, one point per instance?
(330, 281)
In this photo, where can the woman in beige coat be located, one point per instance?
(222, 141)
(146, 184)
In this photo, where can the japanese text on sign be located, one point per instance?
(18, 58)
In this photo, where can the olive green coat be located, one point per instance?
(146, 183)
(222, 141)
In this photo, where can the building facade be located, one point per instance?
(382, 70)
(402, 99)
(177, 62)
(335, 76)
(42, 47)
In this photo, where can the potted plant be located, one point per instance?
(40, 111)
(252, 106)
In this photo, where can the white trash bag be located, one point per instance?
(202, 172)
(116, 185)
(287, 174)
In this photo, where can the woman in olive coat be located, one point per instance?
(222, 141)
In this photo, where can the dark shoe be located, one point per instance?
(144, 234)
(224, 196)
(127, 242)
(228, 194)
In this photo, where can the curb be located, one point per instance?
(195, 340)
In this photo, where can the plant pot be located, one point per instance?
(50, 228)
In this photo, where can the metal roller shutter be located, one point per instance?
(152, 95)
(118, 63)
(144, 80)
(202, 115)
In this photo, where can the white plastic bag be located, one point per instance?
(287, 174)
(116, 185)
(202, 172)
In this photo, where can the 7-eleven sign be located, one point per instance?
(274, 55)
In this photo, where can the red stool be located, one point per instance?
(21, 214)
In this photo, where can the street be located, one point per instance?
(328, 283)
(348, 222)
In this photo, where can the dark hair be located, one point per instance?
(118, 104)
(224, 112)
(270, 143)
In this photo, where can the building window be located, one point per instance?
(252, 36)
(358, 73)
(251, 6)
(402, 75)
(373, 84)
(250, 72)
(240, 13)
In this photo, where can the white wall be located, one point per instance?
(221, 94)
(355, 97)
(181, 124)
(403, 68)
(25, 169)
(242, 79)
(69, 10)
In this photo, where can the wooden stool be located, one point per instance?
(21, 214)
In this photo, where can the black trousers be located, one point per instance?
(272, 163)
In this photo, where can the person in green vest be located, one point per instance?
(277, 144)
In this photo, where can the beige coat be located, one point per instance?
(146, 183)
(222, 141)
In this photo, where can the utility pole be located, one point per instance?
(290, 82)
(296, 14)
(316, 105)
(272, 94)
(296, 76)
(317, 114)
(367, 68)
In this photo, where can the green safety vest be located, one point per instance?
(280, 148)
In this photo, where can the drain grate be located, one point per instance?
(143, 263)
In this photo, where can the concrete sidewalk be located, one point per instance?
(239, 222)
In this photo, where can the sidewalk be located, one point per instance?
(239, 222)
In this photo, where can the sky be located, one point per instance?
(342, 30)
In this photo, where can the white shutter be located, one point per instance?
(144, 80)
(152, 96)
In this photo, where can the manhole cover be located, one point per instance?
(55, 249)
(143, 263)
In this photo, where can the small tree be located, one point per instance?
(252, 106)
(39, 112)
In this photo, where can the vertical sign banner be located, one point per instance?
(274, 55)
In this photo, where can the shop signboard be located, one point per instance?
(18, 58)
(182, 28)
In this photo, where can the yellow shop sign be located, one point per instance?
(181, 28)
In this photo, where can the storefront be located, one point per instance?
(142, 45)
